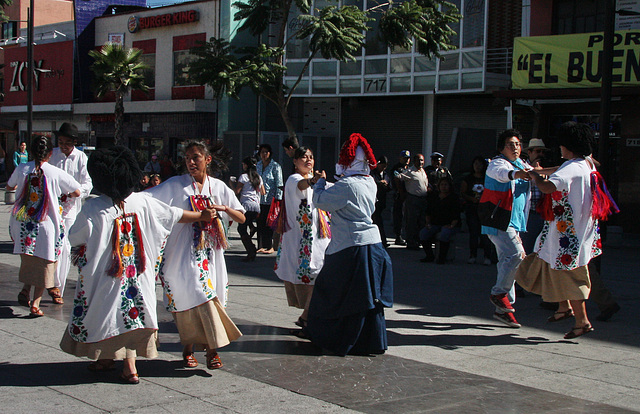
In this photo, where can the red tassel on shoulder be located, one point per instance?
(603, 204)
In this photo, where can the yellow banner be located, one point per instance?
(573, 61)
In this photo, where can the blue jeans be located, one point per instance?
(446, 233)
(510, 254)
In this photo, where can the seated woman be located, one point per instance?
(442, 220)
(346, 313)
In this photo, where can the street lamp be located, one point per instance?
(30, 72)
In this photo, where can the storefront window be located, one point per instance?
(149, 59)
(182, 60)
(145, 147)
(473, 23)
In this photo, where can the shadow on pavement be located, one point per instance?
(43, 374)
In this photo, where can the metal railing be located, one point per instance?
(499, 60)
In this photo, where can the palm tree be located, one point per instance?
(118, 70)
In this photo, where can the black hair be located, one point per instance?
(482, 160)
(40, 148)
(577, 138)
(290, 142)
(505, 135)
(220, 155)
(252, 173)
(267, 147)
(448, 180)
(114, 172)
(300, 151)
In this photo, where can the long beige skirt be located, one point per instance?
(298, 296)
(537, 276)
(36, 271)
(140, 342)
(206, 326)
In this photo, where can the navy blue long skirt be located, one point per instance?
(346, 313)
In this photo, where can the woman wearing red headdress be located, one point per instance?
(346, 313)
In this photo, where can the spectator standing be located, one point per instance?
(21, 156)
(249, 187)
(471, 190)
(3, 166)
(383, 186)
(507, 176)
(74, 162)
(271, 174)
(400, 195)
(536, 151)
(436, 171)
(153, 166)
(417, 185)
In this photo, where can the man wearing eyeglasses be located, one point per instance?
(70, 159)
(507, 176)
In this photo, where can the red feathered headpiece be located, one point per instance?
(348, 151)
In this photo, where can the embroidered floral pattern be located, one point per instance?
(304, 219)
(28, 236)
(77, 329)
(131, 301)
(569, 244)
(202, 261)
(159, 269)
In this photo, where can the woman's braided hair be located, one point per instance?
(114, 171)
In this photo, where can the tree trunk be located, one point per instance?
(283, 108)
(119, 119)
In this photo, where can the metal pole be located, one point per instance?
(30, 69)
(605, 91)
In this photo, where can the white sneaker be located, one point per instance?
(487, 262)
(471, 260)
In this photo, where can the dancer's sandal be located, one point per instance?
(301, 322)
(213, 361)
(189, 360)
(36, 312)
(132, 378)
(23, 298)
(578, 331)
(561, 316)
(56, 296)
(101, 365)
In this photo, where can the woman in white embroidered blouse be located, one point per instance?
(193, 270)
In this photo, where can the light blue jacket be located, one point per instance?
(351, 202)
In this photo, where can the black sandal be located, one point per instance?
(301, 322)
(23, 298)
(563, 315)
(579, 331)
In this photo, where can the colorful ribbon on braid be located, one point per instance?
(33, 202)
(207, 235)
(122, 242)
(324, 221)
(603, 204)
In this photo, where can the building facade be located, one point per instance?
(557, 77)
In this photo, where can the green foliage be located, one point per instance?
(3, 4)
(220, 67)
(338, 33)
(117, 69)
(422, 22)
(334, 32)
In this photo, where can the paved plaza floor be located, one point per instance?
(446, 353)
